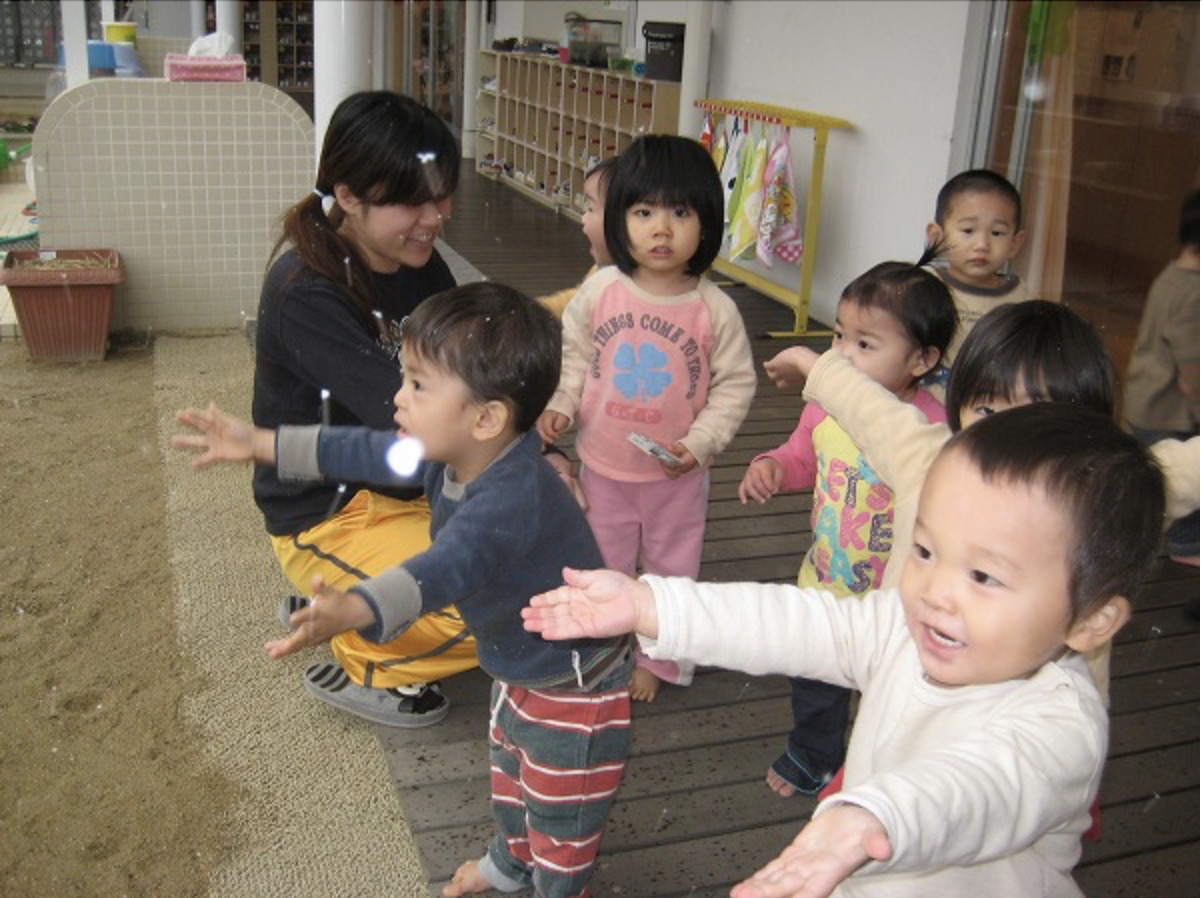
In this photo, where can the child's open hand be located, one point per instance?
(330, 612)
(593, 604)
(219, 436)
(831, 847)
(686, 461)
(762, 480)
(790, 367)
(551, 425)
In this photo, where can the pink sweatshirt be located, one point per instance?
(674, 368)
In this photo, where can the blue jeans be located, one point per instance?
(817, 745)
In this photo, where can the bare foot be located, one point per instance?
(467, 879)
(644, 685)
(779, 785)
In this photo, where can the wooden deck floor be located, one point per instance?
(694, 816)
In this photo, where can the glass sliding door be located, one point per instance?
(432, 67)
(1096, 120)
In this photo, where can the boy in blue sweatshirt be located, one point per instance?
(480, 363)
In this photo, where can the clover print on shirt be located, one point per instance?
(642, 375)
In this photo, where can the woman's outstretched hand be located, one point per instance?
(221, 438)
(593, 604)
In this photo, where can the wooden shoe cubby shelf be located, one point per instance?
(543, 124)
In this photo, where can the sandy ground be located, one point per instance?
(149, 747)
(105, 790)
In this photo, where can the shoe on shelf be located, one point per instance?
(409, 707)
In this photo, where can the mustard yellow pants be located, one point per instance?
(371, 534)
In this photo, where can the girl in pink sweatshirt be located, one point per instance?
(654, 351)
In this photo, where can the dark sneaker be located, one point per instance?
(412, 707)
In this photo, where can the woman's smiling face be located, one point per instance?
(395, 235)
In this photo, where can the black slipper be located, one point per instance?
(409, 708)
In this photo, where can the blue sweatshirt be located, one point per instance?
(496, 542)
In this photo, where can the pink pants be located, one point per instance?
(656, 527)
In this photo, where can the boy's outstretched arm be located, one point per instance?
(593, 604)
(222, 437)
(330, 612)
(829, 849)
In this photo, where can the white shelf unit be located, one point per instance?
(541, 125)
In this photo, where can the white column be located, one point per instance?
(108, 10)
(488, 29)
(75, 41)
(695, 67)
(229, 20)
(342, 45)
(379, 41)
(471, 74)
(196, 18)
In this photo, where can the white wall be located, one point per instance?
(508, 18)
(165, 19)
(544, 18)
(676, 10)
(892, 69)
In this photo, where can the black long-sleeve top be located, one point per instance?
(312, 336)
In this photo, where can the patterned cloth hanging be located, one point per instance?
(732, 163)
(707, 134)
(745, 221)
(779, 228)
(718, 151)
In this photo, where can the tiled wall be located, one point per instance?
(187, 180)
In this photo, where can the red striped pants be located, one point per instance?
(557, 759)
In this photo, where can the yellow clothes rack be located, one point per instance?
(797, 299)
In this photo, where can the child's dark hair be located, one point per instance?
(1108, 483)
(500, 342)
(914, 295)
(386, 148)
(604, 172)
(1041, 348)
(977, 180)
(665, 170)
(1187, 227)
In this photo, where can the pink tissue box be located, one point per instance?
(182, 67)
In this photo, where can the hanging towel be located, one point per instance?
(745, 224)
(718, 151)
(779, 231)
(707, 134)
(731, 166)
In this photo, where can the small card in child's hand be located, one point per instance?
(654, 449)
